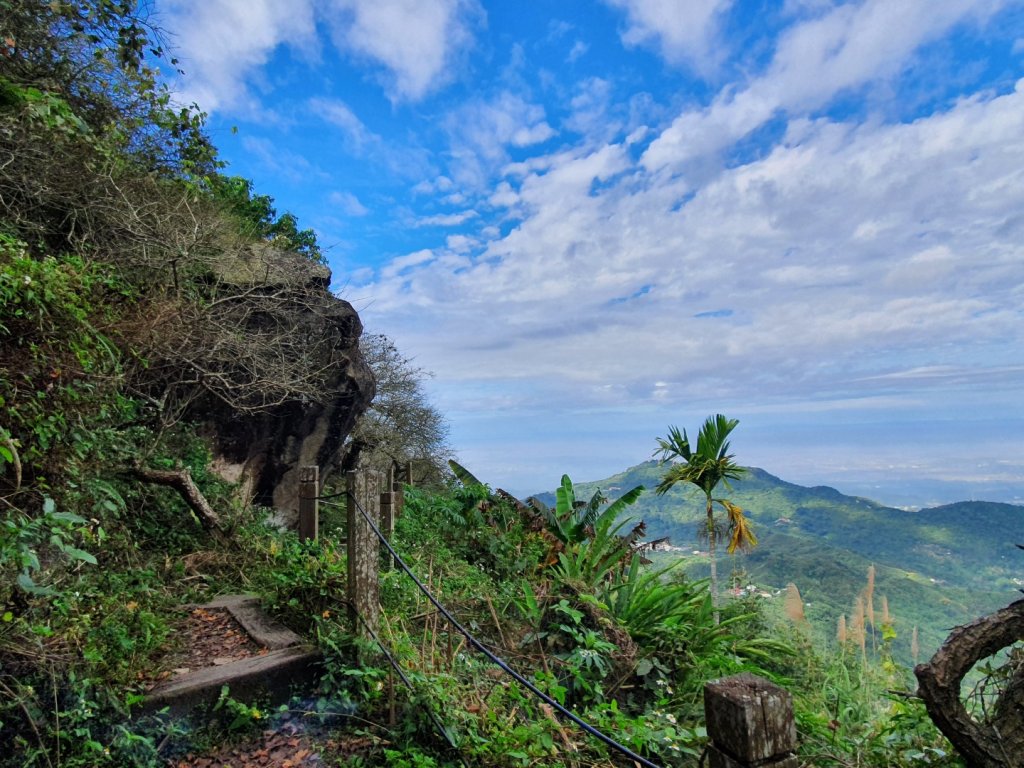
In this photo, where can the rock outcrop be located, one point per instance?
(263, 447)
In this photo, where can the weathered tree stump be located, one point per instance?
(750, 723)
(998, 743)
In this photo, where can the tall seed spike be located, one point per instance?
(858, 618)
(794, 605)
(869, 597)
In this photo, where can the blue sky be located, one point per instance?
(593, 220)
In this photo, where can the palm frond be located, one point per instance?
(713, 438)
(741, 534)
(676, 446)
(465, 477)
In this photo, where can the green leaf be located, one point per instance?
(26, 582)
(30, 559)
(66, 517)
(80, 554)
(464, 475)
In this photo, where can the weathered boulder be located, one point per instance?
(262, 444)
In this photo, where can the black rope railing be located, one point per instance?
(331, 496)
(408, 684)
(565, 713)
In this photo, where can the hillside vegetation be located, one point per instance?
(159, 320)
(938, 567)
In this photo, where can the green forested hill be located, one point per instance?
(938, 567)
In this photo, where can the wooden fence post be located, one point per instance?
(309, 505)
(750, 723)
(363, 551)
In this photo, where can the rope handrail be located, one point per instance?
(331, 496)
(408, 684)
(566, 713)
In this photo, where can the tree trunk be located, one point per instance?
(714, 561)
(998, 743)
(181, 481)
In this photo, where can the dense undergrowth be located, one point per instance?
(626, 648)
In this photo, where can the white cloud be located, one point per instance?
(481, 131)
(601, 279)
(337, 112)
(224, 44)
(417, 42)
(683, 31)
(504, 196)
(446, 219)
(348, 204)
(815, 60)
(400, 266)
(591, 105)
(459, 244)
(578, 50)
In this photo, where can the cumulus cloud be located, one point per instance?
(606, 269)
(481, 132)
(414, 42)
(402, 265)
(683, 31)
(412, 46)
(446, 219)
(223, 45)
(815, 60)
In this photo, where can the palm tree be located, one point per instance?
(705, 467)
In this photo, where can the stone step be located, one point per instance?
(271, 677)
(260, 627)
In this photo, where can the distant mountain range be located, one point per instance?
(938, 567)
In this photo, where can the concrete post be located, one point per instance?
(309, 505)
(388, 509)
(363, 550)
